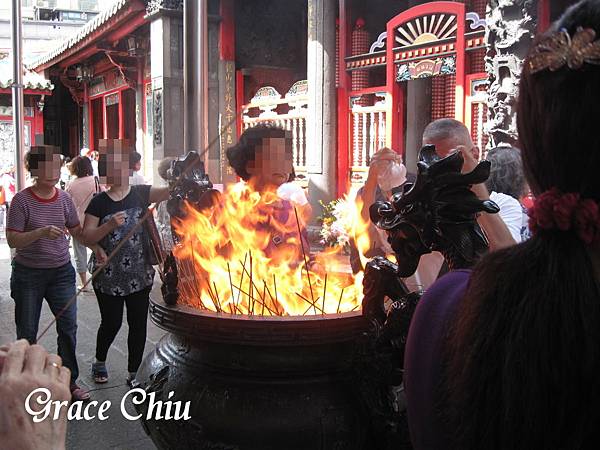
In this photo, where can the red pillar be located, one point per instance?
(38, 121)
(343, 180)
(121, 124)
(239, 98)
(543, 15)
(459, 106)
(227, 31)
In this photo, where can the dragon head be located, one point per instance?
(436, 213)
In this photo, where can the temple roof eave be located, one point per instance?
(93, 31)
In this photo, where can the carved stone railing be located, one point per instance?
(289, 112)
(368, 123)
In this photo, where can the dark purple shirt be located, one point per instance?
(423, 358)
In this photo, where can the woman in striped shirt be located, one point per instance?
(38, 218)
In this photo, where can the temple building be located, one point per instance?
(346, 77)
(36, 92)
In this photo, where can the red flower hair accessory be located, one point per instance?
(555, 211)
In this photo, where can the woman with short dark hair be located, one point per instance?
(508, 356)
(263, 158)
(38, 218)
(126, 279)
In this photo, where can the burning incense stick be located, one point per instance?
(264, 298)
(312, 296)
(232, 304)
(312, 304)
(324, 292)
(340, 301)
(250, 288)
(196, 284)
(267, 308)
(253, 284)
(276, 297)
(272, 300)
(217, 295)
(242, 277)
(212, 297)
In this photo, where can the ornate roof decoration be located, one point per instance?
(31, 80)
(426, 29)
(265, 94)
(155, 6)
(81, 33)
(476, 21)
(298, 89)
(379, 44)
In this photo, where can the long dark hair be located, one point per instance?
(524, 353)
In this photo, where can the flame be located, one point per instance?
(228, 261)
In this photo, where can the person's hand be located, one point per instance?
(118, 219)
(51, 232)
(470, 162)
(380, 161)
(25, 369)
(101, 257)
(3, 352)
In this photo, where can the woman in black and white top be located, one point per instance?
(127, 278)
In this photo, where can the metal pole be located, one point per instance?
(17, 90)
(195, 69)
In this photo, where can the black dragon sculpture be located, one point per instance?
(188, 182)
(436, 213)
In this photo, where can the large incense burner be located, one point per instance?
(271, 365)
(256, 383)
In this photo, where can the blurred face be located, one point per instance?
(444, 147)
(47, 170)
(116, 158)
(273, 164)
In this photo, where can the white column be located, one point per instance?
(166, 40)
(321, 145)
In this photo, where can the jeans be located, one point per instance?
(28, 288)
(111, 313)
(80, 256)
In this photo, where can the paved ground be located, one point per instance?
(116, 432)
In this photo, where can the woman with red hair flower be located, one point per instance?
(507, 356)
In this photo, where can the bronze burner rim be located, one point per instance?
(210, 326)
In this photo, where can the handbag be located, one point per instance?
(154, 253)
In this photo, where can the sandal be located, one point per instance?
(99, 373)
(79, 394)
(131, 381)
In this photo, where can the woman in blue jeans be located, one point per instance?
(37, 219)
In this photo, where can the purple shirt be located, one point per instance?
(423, 358)
(283, 229)
(28, 212)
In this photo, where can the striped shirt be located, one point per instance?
(28, 212)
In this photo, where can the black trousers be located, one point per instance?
(111, 313)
